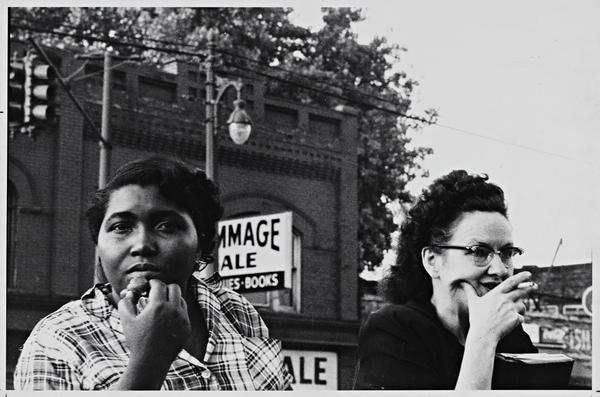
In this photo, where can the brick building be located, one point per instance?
(299, 158)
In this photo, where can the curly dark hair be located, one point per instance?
(185, 187)
(430, 221)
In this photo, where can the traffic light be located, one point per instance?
(16, 93)
(40, 91)
(32, 91)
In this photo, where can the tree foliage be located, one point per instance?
(365, 75)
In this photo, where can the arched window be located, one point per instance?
(11, 233)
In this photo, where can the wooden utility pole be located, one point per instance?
(210, 108)
(104, 162)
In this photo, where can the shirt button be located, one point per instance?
(205, 374)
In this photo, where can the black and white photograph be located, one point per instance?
(301, 197)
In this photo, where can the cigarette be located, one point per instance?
(527, 284)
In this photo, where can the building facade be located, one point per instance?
(556, 318)
(299, 158)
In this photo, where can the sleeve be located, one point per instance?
(517, 341)
(393, 354)
(46, 363)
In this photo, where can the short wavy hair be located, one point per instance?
(185, 187)
(430, 221)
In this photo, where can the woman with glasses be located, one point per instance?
(454, 298)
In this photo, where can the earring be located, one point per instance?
(100, 278)
(200, 264)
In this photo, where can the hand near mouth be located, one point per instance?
(138, 286)
(499, 311)
(155, 335)
(138, 290)
(491, 317)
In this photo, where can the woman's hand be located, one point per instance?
(491, 317)
(154, 336)
(138, 285)
(498, 312)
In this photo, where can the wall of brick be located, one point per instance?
(288, 167)
(31, 171)
(67, 167)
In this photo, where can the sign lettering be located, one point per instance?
(311, 370)
(255, 253)
(255, 282)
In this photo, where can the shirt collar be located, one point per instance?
(96, 300)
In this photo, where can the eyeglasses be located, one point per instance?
(483, 255)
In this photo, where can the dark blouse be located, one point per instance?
(407, 347)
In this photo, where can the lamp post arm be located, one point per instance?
(222, 84)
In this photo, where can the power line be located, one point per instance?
(118, 43)
(303, 75)
(107, 40)
(134, 37)
(146, 47)
(332, 94)
(508, 143)
(222, 51)
(287, 81)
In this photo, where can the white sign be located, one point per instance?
(586, 300)
(255, 253)
(312, 370)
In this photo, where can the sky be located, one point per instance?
(517, 88)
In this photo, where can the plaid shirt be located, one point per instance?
(81, 346)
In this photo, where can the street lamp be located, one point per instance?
(239, 123)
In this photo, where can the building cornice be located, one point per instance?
(245, 157)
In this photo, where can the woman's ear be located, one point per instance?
(99, 275)
(430, 261)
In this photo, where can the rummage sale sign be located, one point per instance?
(312, 370)
(255, 253)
